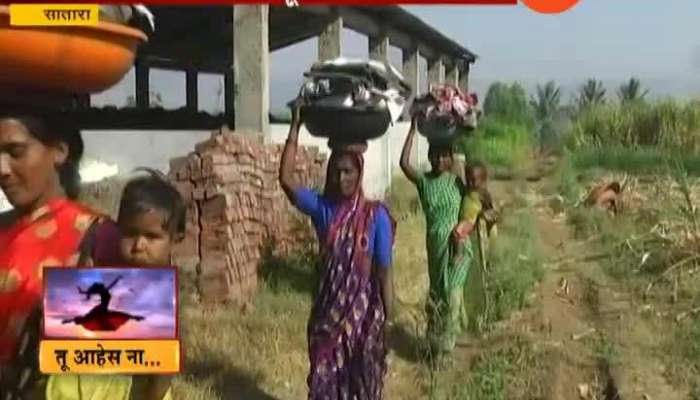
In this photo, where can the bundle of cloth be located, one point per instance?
(446, 111)
(348, 98)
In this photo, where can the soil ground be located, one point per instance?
(604, 346)
(593, 341)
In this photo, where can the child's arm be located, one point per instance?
(488, 213)
(468, 215)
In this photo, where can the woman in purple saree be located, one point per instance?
(346, 330)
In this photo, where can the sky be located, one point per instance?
(610, 40)
(144, 292)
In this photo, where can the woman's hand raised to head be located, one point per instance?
(289, 154)
(296, 115)
(405, 162)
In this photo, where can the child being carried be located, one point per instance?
(477, 205)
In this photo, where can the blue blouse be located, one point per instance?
(321, 211)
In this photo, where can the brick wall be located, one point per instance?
(235, 208)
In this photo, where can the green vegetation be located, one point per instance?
(651, 248)
(263, 352)
(500, 144)
(640, 161)
(667, 126)
(515, 265)
(402, 199)
(546, 101)
(508, 104)
(517, 371)
(631, 91)
(684, 350)
(504, 138)
(592, 93)
(606, 351)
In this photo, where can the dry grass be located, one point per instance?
(261, 354)
(653, 248)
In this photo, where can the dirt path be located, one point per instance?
(602, 342)
(560, 319)
(564, 316)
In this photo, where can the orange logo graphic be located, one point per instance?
(550, 6)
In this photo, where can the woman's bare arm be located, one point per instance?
(405, 161)
(386, 278)
(289, 155)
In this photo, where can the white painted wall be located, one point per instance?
(132, 149)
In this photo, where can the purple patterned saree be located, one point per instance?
(346, 329)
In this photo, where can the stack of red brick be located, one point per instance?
(235, 208)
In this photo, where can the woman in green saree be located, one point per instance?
(440, 192)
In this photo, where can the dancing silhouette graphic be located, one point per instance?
(101, 318)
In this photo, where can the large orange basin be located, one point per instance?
(76, 59)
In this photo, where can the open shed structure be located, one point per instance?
(236, 42)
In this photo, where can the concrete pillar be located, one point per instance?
(411, 73)
(143, 99)
(452, 75)
(379, 51)
(436, 72)
(191, 89)
(410, 69)
(464, 77)
(379, 48)
(412, 76)
(329, 39)
(251, 67)
(230, 99)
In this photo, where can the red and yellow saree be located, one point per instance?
(50, 237)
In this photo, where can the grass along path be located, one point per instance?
(260, 353)
(583, 332)
(626, 347)
(539, 344)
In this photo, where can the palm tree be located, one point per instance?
(591, 93)
(631, 91)
(546, 103)
(547, 100)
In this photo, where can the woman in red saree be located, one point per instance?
(39, 160)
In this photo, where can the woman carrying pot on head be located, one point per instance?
(440, 192)
(40, 153)
(353, 301)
